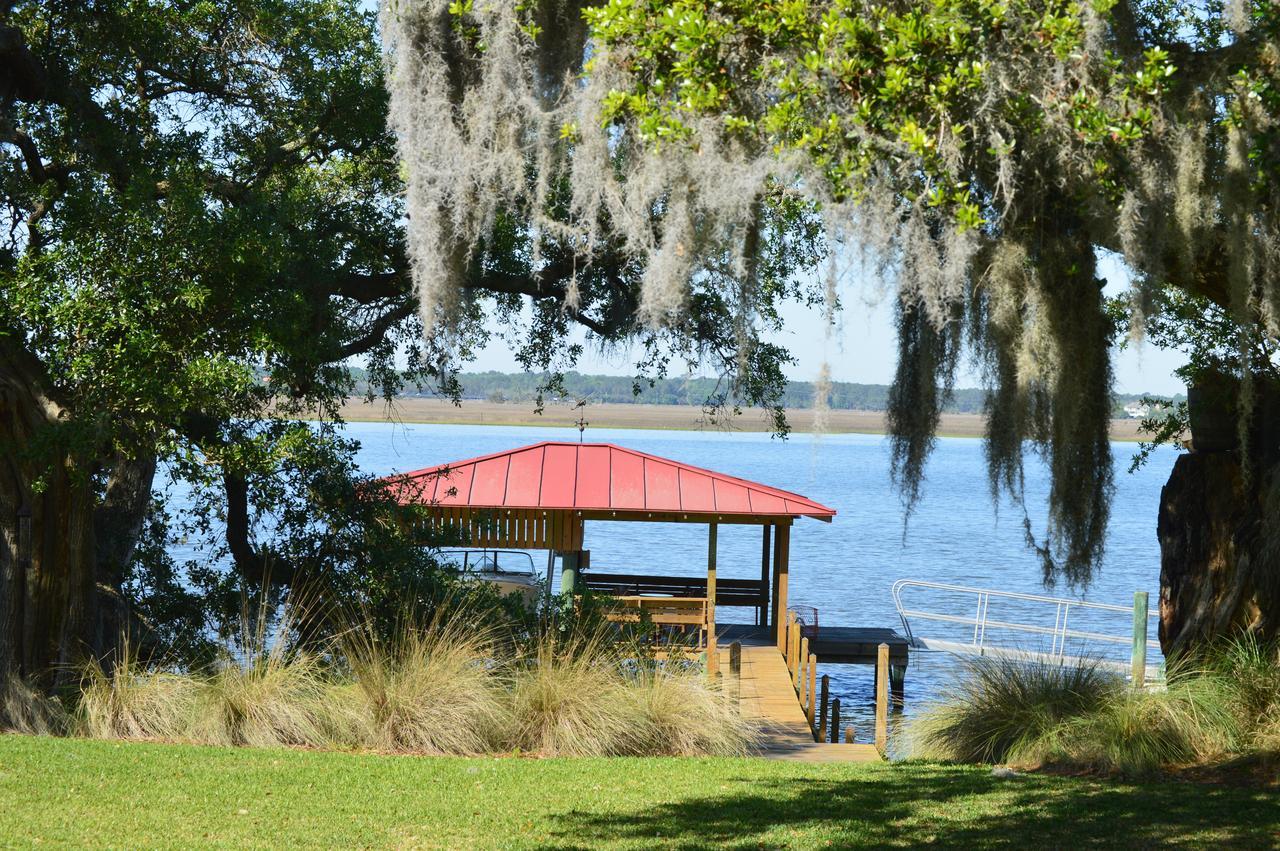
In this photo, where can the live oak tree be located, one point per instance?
(981, 154)
(204, 232)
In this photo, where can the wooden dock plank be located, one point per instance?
(768, 697)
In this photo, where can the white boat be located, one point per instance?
(511, 571)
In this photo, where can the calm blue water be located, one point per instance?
(844, 569)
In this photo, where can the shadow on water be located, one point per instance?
(949, 807)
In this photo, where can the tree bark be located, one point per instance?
(117, 523)
(1219, 530)
(46, 531)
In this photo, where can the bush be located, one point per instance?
(26, 709)
(433, 691)
(1223, 706)
(1002, 708)
(444, 687)
(132, 701)
(680, 714)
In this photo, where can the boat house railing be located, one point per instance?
(1026, 626)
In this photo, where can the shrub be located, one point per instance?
(680, 714)
(1001, 708)
(433, 691)
(25, 709)
(132, 701)
(570, 699)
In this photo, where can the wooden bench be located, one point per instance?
(681, 612)
(750, 593)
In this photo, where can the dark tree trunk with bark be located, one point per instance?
(1219, 527)
(47, 558)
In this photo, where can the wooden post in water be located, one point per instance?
(835, 721)
(848, 735)
(795, 644)
(813, 691)
(763, 617)
(1139, 655)
(882, 697)
(713, 655)
(802, 674)
(822, 707)
(735, 671)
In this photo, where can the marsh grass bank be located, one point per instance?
(67, 792)
(659, 417)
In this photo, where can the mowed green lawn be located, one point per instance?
(73, 792)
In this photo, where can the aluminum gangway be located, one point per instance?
(1080, 632)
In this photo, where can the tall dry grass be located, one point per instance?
(435, 690)
(135, 701)
(24, 708)
(440, 688)
(1222, 705)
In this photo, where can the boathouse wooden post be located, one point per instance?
(764, 575)
(1139, 655)
(713, 656)
(882, 697)
(822, 711)
(813, 690)
(781, 556)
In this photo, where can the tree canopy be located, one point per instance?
(978, 153)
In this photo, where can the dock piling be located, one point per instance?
(820, 732)
(882, 698)
(1139, 655)
(835, 721)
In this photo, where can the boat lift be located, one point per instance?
(1080, 631)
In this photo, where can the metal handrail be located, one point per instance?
(981, 622)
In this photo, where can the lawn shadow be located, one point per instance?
(909, 806)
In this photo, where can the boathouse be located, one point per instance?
(541, 497)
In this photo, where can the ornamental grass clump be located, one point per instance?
(680, 713)
(569, 698)
(132, 700)
(25, 709)
(265, 691)
(1001, 709)
(435, 690)
(1139, 732)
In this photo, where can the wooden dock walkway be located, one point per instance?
(768, 697)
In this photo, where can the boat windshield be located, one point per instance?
(488, 561)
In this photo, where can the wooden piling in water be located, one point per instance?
(821, 733)
(882, 698)
(811, 711)
(1139, 655)
(835, 721)
(848, 735)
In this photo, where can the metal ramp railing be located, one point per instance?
(1020, 627)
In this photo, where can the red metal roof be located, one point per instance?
(598, 477)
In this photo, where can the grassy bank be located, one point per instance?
(78, 792)
(660, 417)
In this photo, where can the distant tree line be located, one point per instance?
(523, 387)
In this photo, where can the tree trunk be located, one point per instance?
(46, 532)
(117, 523)
(1219, 528)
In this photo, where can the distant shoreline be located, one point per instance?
(646, 416)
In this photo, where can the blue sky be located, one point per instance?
(862, 348)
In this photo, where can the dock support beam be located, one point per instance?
(882, 698)
(764, 574)
(713, 656)
(781, 556)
